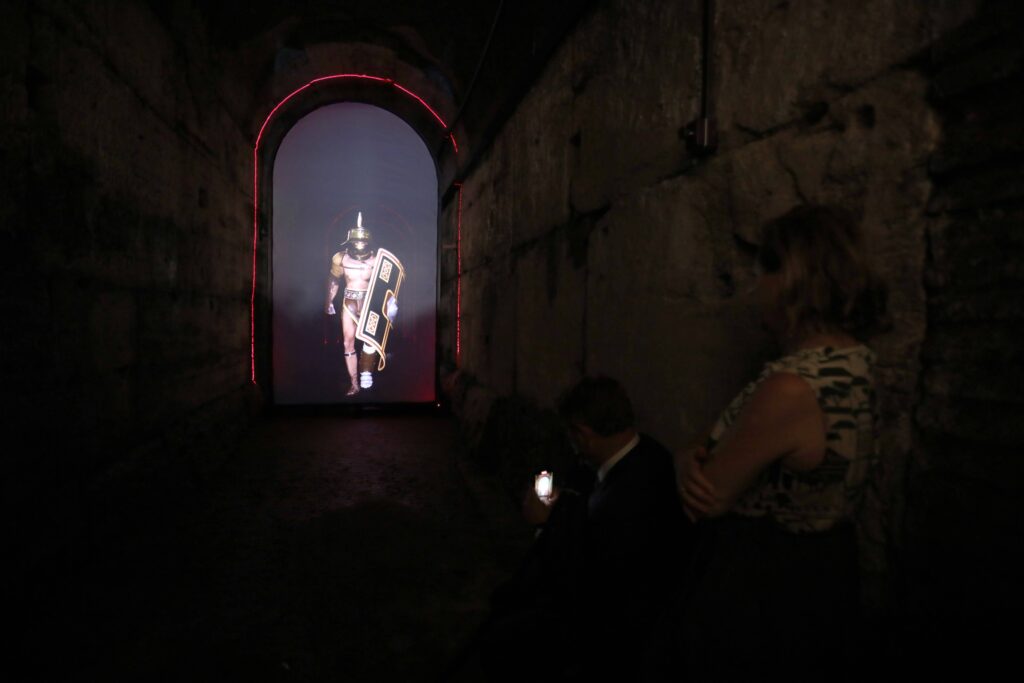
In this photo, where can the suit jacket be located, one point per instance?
(607, 562)
(636, 545)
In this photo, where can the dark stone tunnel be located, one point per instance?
(167, 519)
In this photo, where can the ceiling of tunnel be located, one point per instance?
(446, 39)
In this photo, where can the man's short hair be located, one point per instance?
(598, 402)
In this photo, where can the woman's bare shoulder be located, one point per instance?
(782, 387)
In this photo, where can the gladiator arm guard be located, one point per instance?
(333, 283)
(332, 291)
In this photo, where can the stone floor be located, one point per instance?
(328, 548)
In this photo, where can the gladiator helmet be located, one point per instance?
(358, 239)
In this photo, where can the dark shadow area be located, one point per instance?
(956, 580)
(327, 549)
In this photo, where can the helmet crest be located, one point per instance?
(358, 234)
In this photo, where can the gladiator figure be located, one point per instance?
(355, 262)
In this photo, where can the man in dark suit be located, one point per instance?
(609, 555)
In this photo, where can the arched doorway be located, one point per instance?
(336, 163)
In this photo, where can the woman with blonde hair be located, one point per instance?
(777, 485)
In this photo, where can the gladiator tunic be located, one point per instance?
(353, 298)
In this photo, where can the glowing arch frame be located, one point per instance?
(256, 191)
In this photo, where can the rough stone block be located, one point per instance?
(485, 230)
(675, 331)
(536, 143)
(989, 464)
(111, 330)
(895, 426)
(978, 266)
(664, 242)
(635, 79)
(961, 27)
(549, 321)
(1001, 304)
(999, 228)
(683, 372)
(476, 406)
(986, 421)
(975, 341)
(986, 379)
(71, 302)
(757, 186)
(615, 162)
(486, 304)
(801, 51)
(996, 63)
(978, 249)
(14, 103)
(980, 188)
(988, 132)
(107, 411)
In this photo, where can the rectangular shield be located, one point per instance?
(374, 325)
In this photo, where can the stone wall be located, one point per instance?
(126, 218)
(963, 531)
(592, 242)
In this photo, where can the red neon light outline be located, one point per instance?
(256, 184)
(458, 282)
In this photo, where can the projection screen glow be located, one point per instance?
(354, 260)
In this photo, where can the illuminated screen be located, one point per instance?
(354, 260)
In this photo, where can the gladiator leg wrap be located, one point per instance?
(367, 361)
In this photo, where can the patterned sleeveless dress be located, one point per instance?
(776, 582)
(814, 501)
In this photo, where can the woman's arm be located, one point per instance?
(698, 495)
(782, 419)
